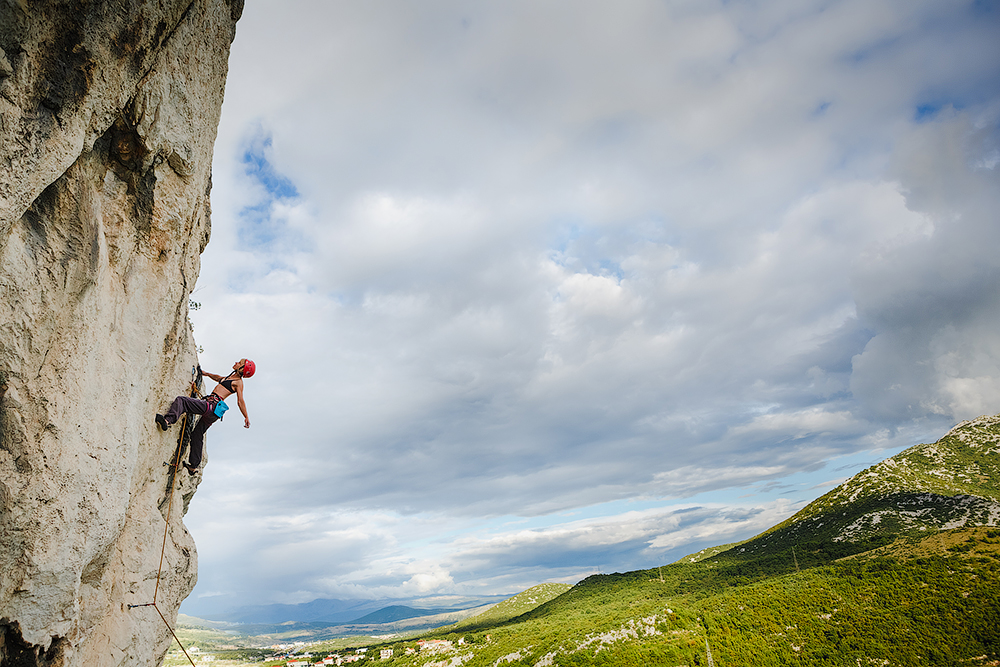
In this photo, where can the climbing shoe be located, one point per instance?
(162, 422)
(190, 468)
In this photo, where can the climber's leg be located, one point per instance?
(182, 404)
(198, 440)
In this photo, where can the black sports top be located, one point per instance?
(227, 383)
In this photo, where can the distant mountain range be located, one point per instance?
(334, 611)
(397, 612)
(391, 620)
(329, 618)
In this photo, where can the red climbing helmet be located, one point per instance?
(248, 368)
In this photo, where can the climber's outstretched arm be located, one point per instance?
(238, 386)
(212, 376)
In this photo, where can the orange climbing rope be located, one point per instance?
(166, 528)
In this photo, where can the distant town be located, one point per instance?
(288, 655)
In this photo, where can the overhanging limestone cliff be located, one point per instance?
(108, 115)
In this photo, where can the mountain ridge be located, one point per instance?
(951, 483)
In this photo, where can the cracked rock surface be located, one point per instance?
(108, 116)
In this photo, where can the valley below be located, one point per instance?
(899, 566)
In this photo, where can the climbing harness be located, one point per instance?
(195, 379)
(218, 406)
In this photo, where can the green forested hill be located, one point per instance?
(899, 566)
(513, 606)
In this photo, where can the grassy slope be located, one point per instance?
(873, 580)
(937, 610)
(933, 603)
(709, 552)
(514, 606)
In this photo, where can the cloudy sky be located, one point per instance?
(541, 289)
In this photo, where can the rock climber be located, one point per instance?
(211, 408)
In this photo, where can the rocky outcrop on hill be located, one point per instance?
(108, 115)
(952, 483)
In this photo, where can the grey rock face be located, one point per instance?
(108, 115)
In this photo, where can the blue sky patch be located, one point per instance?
(926, 112)
(256, 165)
(258, 227)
